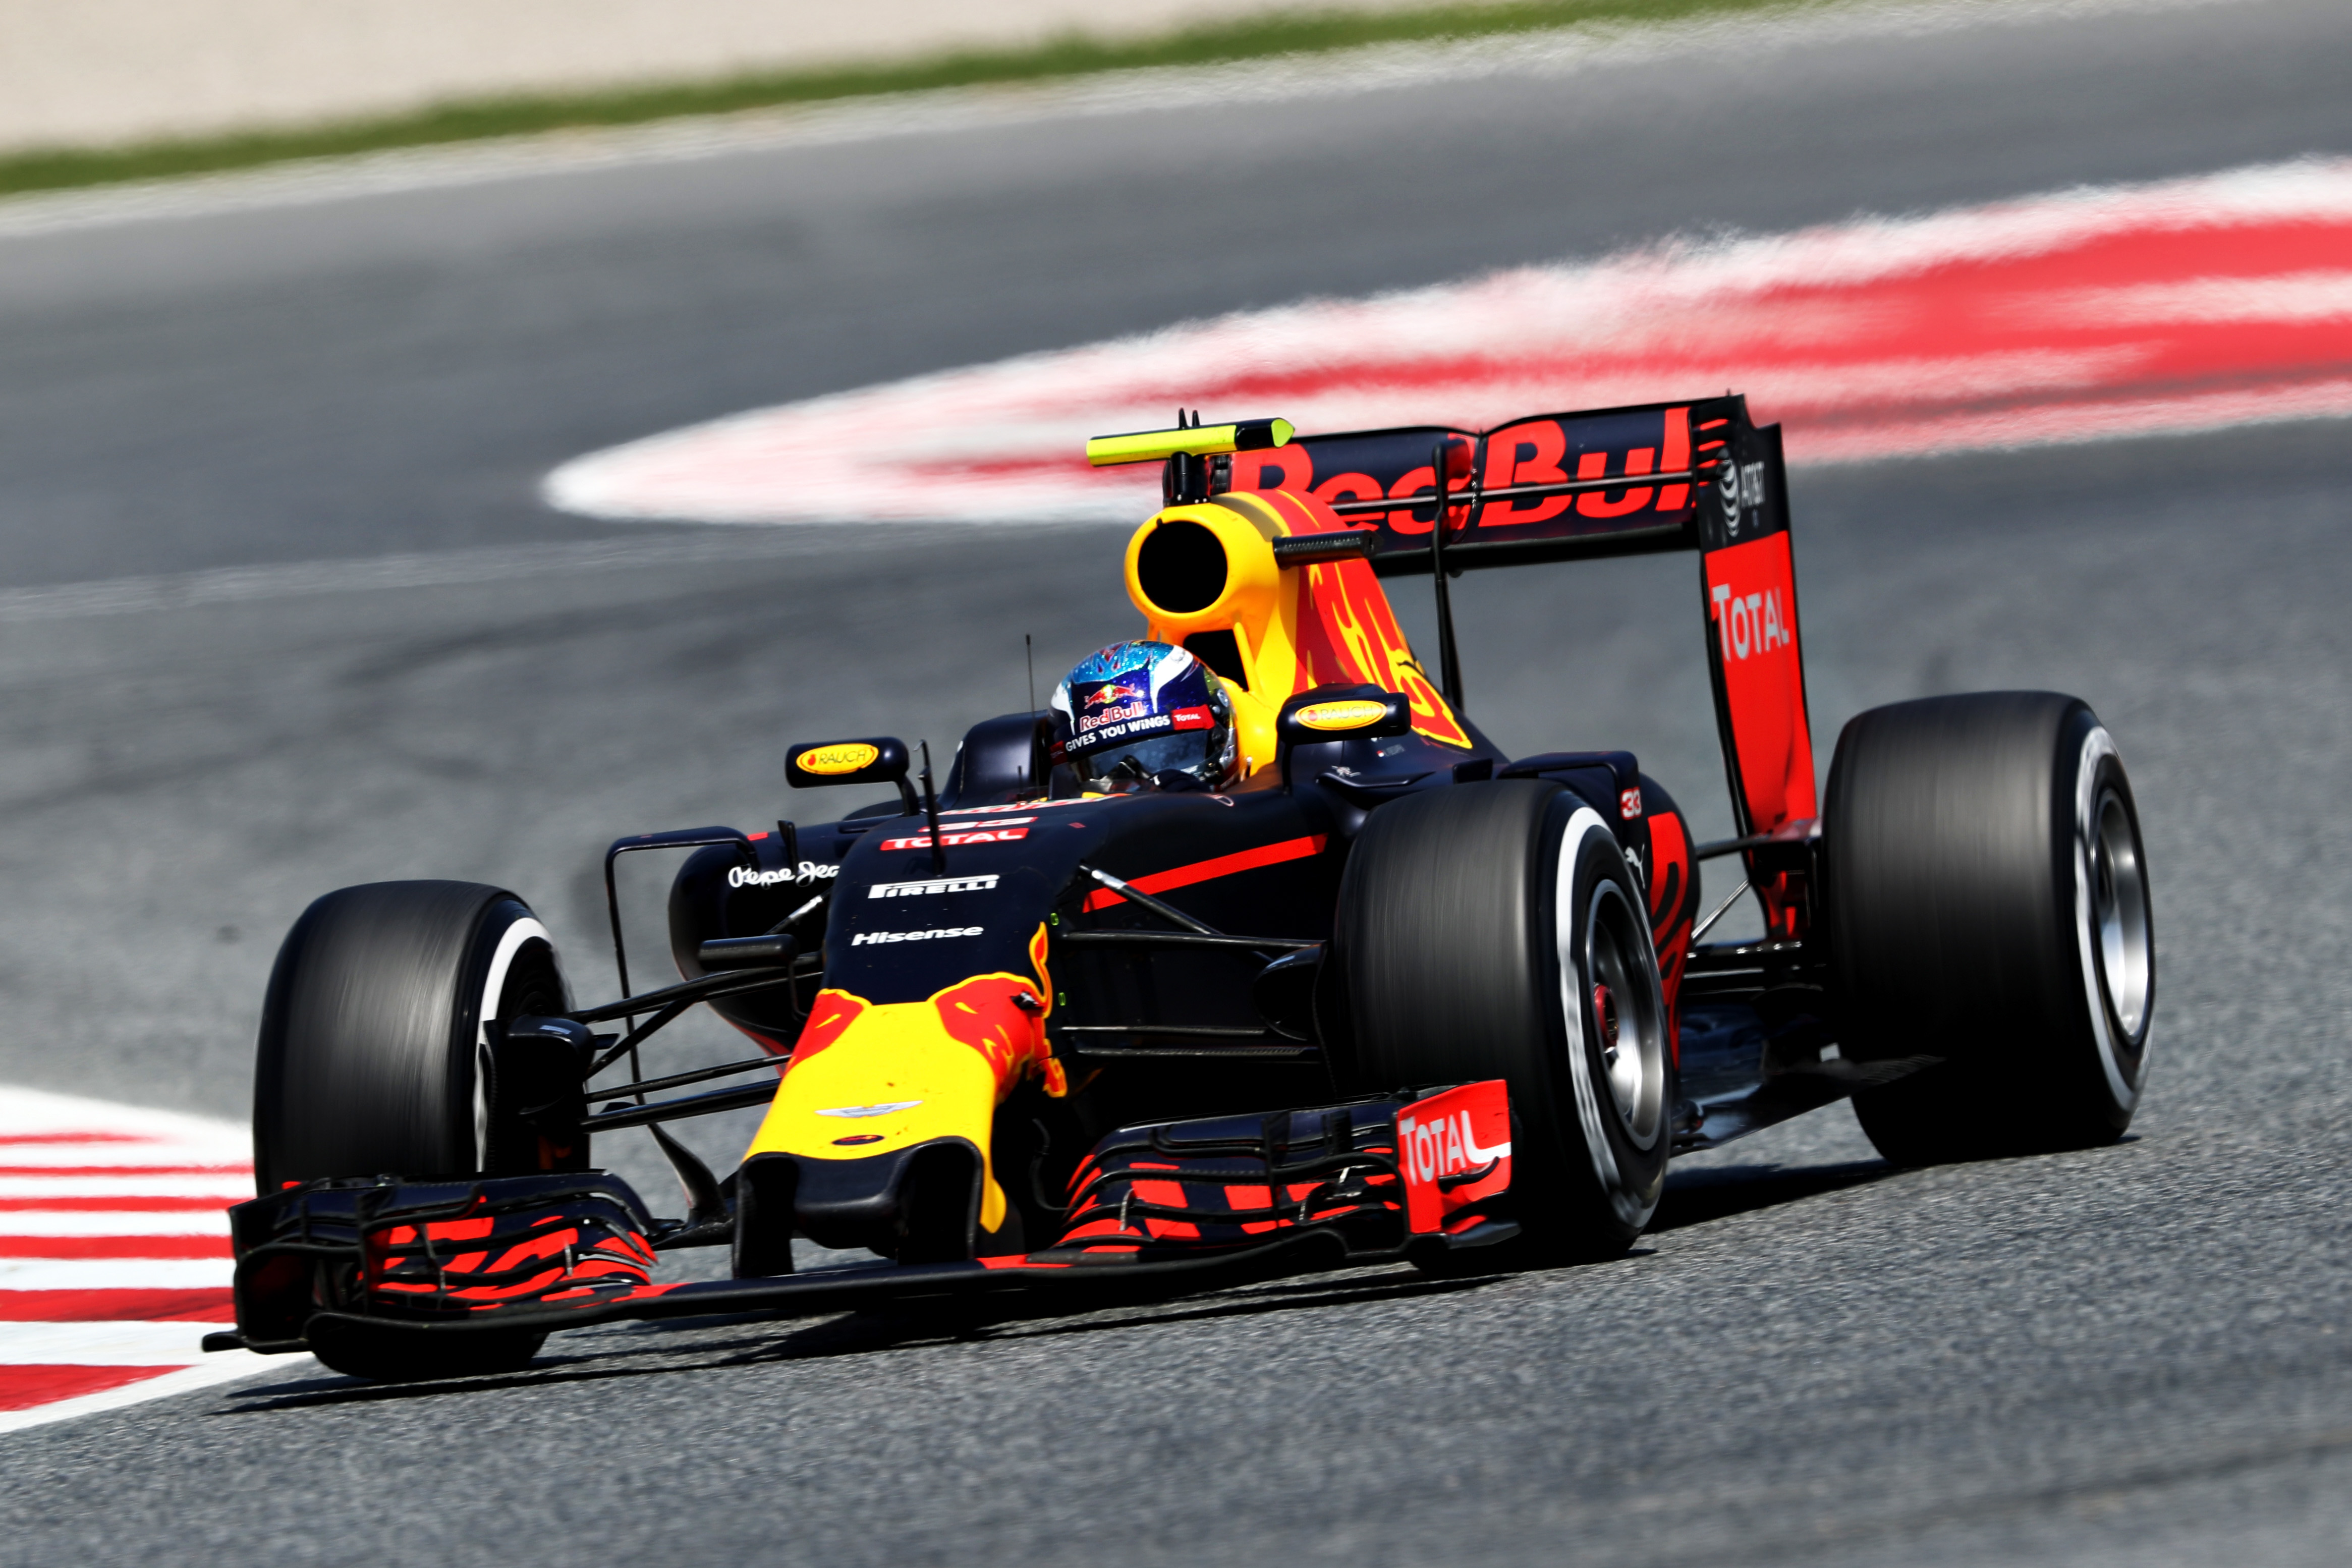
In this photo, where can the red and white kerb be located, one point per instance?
(2082, 315)
(114, 1254)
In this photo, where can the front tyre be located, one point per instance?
(373, 1046)
(374, 1060)
(1987, 899)
(1497, 930)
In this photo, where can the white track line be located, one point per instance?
(244, 584)
(229, 1188)
(110, 1222)
(112, 1273)
(174, 1158)
(108, 1345)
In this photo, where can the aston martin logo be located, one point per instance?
(884, 1109)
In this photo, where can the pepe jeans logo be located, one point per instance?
(801, 876)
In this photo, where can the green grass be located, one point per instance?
(473, 120)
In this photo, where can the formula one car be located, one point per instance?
(1252, 954)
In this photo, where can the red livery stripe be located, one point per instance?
(1209, 870)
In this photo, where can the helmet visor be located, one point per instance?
(1145, 761)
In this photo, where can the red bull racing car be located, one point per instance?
(1250, 953)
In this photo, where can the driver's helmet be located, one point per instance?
(1145, 714)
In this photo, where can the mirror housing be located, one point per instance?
(1340, 713)
(877, 759)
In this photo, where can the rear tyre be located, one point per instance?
(1987, 904)
(1495, 931)
(373, 1061)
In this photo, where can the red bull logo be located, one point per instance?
(1114, 692)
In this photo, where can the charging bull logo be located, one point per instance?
(1114, 692)
(920, 1070)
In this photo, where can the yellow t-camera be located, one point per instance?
(1190, 441)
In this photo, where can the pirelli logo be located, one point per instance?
(933, 885)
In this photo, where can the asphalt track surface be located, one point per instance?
(2132, 1355)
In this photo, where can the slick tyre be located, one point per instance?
(372, 1049)
(1987, 906)
(1495, 931)
(373, 1061)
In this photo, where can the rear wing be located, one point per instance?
(1556, 487)
(1695, 476)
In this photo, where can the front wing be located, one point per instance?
(1172, 1206)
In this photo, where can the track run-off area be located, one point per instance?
(2053, 302)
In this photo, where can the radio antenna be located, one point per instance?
(932, 817)
(1029, 652)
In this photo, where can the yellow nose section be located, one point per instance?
(869, 1077)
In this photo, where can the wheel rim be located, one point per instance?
(2119, 913)
(1625, 1024)
(503, 998)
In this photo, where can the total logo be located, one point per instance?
(806, 872)
(1750, 624)
(1006, 832)
(1445, 1146)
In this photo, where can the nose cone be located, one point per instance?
(870, 1081)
